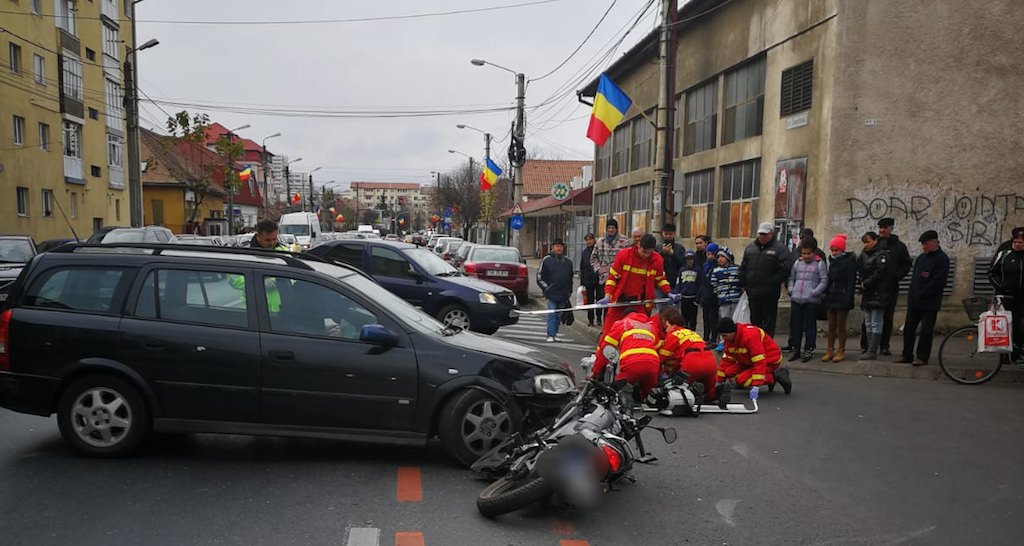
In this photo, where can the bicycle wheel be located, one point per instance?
(961, 361)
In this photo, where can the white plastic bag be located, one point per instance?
(581, 296)
(742, 312)
(995, 331)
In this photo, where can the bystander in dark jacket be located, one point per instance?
(931, 269)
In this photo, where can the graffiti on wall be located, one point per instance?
(962, 218)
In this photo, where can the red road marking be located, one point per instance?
(410, 538)
(410, 485)
(562, 527)
(574, 543)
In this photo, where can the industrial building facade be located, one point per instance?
(830, 114)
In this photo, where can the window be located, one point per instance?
(22, 194)
(111, 41)
(115, 151)
(741, 187)
(602, 203)
(113, 100)
(72, 139)
(620, 149)
(14, 56)
(94, 170)
(306, 308)
(117, 210)
(797, 87)
(701, 118)
(65, 15)
(93, 113)
(39, 67)
(619, 197)
(73, 205)
(90, 55)
(640, 196)
(744, 102)
(641, 151)
(19, 130)
(697, 198)
(47, 203)
(158, 211)
(72, 68)
(347, 254)
(214, 298)
(77, 289)
(37, 7)
(388, 263)
(44, 136)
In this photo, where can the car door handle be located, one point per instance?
(282, 356)
(152, 344)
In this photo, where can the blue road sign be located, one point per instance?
(517, 222)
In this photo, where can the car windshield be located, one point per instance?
(510, 255)
(430, 262)
(125, 236)
(399, 308)
(15, 250)
(295, 229)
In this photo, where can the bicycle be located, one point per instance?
(980, 366)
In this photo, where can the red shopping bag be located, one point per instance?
(994, 331)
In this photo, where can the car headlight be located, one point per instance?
(553, 383)
(487, 297)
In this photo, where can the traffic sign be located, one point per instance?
(560, 191)
(517, 210)
(517, 222)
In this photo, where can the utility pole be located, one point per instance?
(310, 193)
(662, 205)
(229, 184)
(519, 158)
(131, 110)
(287, 185)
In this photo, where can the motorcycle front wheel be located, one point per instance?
(510, 494)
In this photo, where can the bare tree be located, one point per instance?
(459, 189)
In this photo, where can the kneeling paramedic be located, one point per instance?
(685, 350)
(636, 338)
(751, 357)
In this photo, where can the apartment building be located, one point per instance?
(62, 121)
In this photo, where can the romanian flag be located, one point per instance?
(610, 105)
(244, 175)
(339, 219)
(490, 175)
(296, 198)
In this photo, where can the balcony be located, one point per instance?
(116, 177)
(73, 173)
(108, 8)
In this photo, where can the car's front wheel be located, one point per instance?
(102, 416)
(473, 423)
(454, 315)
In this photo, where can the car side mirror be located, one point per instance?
(415, 274)
(377, 334)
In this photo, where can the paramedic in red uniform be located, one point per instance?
(636, 337)
(635, 275)
(685, 350)
(751, 357)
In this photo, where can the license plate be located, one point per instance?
(497, 273)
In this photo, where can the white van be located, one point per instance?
(305, 226)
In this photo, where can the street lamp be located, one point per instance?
(517, 152)
(228, 169)
(487, 138)
(311, 189)
(131, 106)
(263, 161)
(288, 180)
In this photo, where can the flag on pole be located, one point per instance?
(490, 174)
(296, 198)
(610, 105)
(244, 175)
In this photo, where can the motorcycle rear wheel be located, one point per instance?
(508, 495)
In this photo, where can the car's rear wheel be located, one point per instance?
(102, 416)
(454, 315)
(473, 423)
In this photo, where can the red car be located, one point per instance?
(501, 265)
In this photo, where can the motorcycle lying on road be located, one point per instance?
(580, 456)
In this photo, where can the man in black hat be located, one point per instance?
(899, 264)
(672, 253)
(931, 269)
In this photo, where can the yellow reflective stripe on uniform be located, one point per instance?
(638, 351)
(748, 382)
(663, 352)
(611, 341)
(684, 335)
(612, 271)
(610, 281)
(659, 344)
(740, 350)
(762, 333)
(721, 373)
(663, 283)
(757, 376)
(757, 358)
(636, 331)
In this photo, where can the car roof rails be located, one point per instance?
(257, 255)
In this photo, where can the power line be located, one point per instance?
(575, 51)
(318, 21)
(313, 113)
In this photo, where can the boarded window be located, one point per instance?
(697, 196)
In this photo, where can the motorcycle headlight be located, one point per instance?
(553, 383)
(487, 297)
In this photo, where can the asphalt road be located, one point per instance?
(844, 460)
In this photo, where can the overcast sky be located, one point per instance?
(411, 64)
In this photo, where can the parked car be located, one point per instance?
(391, 237)
(460, 254)
(305, 226)
(501, 265)
(421, 278)
(148, 234)
(51, 244)
(198, 240)
(244, 341)
(418, 239)
(99, 234)
(15, 252)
